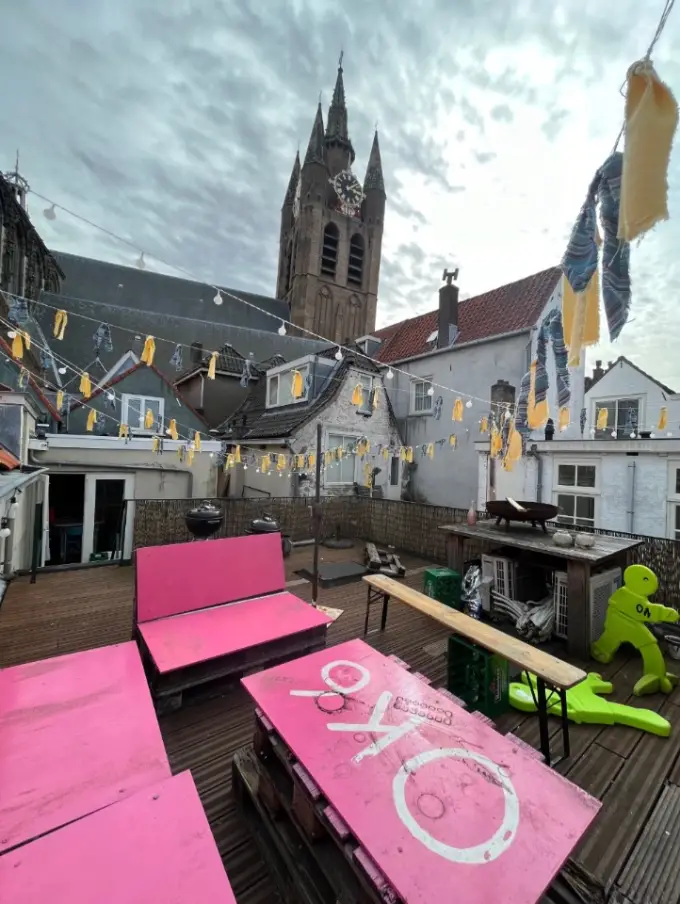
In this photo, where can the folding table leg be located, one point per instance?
(383, 619)
(368, 609)
(565, 724)
(543, 719)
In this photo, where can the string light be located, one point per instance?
(282, 329)
(430, 391)
(338, 354)
(141, 263)
(389, 375)
(218, 300)
(50, 213)
(468, 404)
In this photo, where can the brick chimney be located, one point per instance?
(598, 373)
(448, 310)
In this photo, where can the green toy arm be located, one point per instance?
(637, 608)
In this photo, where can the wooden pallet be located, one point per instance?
(379, 561)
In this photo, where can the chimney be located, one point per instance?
(502, 393)
(448, 310)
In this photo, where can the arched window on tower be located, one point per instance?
(355, 266)
(329, 252)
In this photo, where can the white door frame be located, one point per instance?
(44, 552)
(88, 512)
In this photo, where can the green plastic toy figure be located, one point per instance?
(585, 705)
(628, 613)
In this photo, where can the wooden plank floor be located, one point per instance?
(626, 769)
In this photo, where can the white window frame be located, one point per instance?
(273, 380)
(367, 385)
(608, 401)
(575, 490)
(673, 498)
(140, 429)
(333, 438)
(280, 374)
(425, 382)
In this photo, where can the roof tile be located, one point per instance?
(507, 309)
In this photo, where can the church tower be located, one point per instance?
(331, 231)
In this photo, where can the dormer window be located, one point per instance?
(280, 386)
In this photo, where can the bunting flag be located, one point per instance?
(564, 418)
(212, 365)
(264, 466)
(484, 425)
(375, 399)
(358, 396)
(496, 443)
(148, 419)
(281, 462)
(386, 453)
(60, 400)
(85, 385)
(60, 323)
(409, 454)
(102, 338)
(148, 351)
(457, 414)
(429, 450)
(20, 341)
(23, 378)
(172, 430)
(176, 359)
(312, 459)
(453, 441)
(18, 310)
(237, 455)
(156, 444)
(602, 418)
(91, 420)
(514, 448)
(297, 386)
(663, 419)
(197, 441)
(190, 457)
(123, 431)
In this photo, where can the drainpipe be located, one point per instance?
(9, 541)
(631, 510)
(534, 453)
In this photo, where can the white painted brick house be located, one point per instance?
(623, 478)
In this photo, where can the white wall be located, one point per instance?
(342, 417)
(624, 381)
(453, 478)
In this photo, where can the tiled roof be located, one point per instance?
(516, 306)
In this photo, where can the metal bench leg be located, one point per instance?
(565, 724)
(543, 720)
(368, 609)
(383, 618)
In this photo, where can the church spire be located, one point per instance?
(315, 149)
(294, 179)
(374, 180)
(337, 113)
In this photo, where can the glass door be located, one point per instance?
(107, 530)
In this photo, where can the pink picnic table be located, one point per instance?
(154, 846)
(442, 803)
(207, 609)
(77, 733)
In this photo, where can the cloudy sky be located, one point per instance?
(175, 125)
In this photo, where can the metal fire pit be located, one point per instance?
(534, 513)
(204, 520)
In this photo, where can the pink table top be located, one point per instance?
(154, 846)
(184, 640)
(439, 799)
(77, 733)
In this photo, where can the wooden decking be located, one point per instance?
(630, 771)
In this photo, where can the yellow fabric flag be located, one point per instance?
(311, 459)
(358, 395)
(453, 441)
(375, 399)
(212, 366)
(281, 462)
(85, 385)
(172, 429)
(264, 467)
(197, 441)
(237, 455)
(60, 321)
(339, 452)
(537, 412)
(60, 400)
(409, 454)
(155, 444)
(148, 419)
(429, 450)
(663, 418)
(190, 457)
(484, 425)
(402, 453)
(651, 119)
(580, 317)
(122, 431)
(496, 442)
(514, 449)
(457, 414)
(297, 386)
(18, 345)
(91, 420)
(602, 418)
(148, 351)
(564, 418)
(386, 453)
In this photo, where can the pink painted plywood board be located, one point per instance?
(184, 577)
(184, 640)
(439, 799)
(156, 846)
(77, 733)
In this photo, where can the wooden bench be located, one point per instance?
(217, 608)
(550, 672)
(153, 846)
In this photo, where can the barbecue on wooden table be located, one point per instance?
(586, 608)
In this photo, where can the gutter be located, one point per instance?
(534, 453)
(455, 347)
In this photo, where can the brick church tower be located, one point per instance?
(331, 231)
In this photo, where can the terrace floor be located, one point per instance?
(629, 771)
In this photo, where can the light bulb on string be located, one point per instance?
(282, 329)
(430, 391)
(338, 354)
(632, 435)
(50, 213)
(389, 375)
(11, 334)
(62, 370)
(468, 404)
(652, 435)
(218, 300)
(140, 262)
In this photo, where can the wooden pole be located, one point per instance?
(316, 515)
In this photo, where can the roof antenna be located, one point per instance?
(449, 275)
(342, 53)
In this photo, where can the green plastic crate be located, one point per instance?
(443, 585)
(478, 677)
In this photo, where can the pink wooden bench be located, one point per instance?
(77, 733)
(154, 846)
(218, 608)
(428, 797)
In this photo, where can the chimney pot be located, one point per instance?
(448, 311)
(598, 364)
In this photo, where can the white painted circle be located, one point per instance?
(338, 688)
(480, 853)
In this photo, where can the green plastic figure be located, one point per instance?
(627, 614)
(586, 706)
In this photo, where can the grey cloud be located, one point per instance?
(502, 113)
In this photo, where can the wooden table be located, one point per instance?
(611, 551)
(550, 671)
(436, 797)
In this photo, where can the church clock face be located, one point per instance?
(349, 191)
